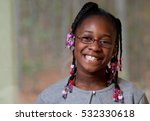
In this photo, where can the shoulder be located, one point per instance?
(131, 93)
(53, 93)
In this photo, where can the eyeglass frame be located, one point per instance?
(109, 44)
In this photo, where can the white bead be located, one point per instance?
(72, 66)
(64, 92)
(120, 97)
(93, 92)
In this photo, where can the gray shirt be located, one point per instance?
(53, 95)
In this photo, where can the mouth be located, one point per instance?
(91, 58)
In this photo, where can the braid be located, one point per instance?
(118, 94)
(120, 39)
(74, 69)
(116, 80)
(119, 48)
(70, 83)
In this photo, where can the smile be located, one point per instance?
(91, 58)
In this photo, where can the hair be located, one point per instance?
(89, 9)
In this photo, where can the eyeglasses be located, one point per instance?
(89, 40)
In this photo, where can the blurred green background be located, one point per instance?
(32, 48)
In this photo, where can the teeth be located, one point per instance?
(91, 58)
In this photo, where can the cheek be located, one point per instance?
(108, 55)
(78, 53)
(78, 48)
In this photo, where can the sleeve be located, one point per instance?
(40, 100)
(143, 100)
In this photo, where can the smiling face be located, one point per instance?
(94, 57)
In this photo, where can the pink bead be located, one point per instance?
(71, 72)
(115, 96)
(72, 82)
(69, 35)
(119, 92)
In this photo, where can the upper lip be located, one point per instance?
(96, 56)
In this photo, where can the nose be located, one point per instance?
(95, 46)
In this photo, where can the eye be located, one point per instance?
(105, 42)
(86, 39)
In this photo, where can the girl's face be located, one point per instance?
(93, 57)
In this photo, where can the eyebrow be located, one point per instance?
(104, 35)
(88, 31)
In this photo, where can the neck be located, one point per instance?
(94, 81)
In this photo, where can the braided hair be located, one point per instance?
(89, 9)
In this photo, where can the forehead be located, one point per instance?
(97, 22)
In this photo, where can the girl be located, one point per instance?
(95, 40)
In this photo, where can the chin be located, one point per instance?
(92, 70)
